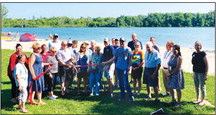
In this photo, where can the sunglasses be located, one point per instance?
(54, 51)
(136, 45)
(83, 47)
(38, 48)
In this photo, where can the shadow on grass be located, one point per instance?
(7, 82)
(6, 104)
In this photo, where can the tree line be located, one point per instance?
(151, 20)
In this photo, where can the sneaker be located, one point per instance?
(138, 93)
(147, 98)
(157, 100)
(97, 94)
(52, 98)
(165, 94)
(202, 103)
(111, 95)
(55, 96)
(134, 93)
(91, 94)
(132, 99)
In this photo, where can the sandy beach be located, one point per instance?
(186, 53)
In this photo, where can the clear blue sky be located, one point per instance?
(76, 10)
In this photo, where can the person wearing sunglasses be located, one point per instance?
(56, 43)
(137, 67)
(36, 68)
(82, 71)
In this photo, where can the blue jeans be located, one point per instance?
(94, 81)
(123, 82)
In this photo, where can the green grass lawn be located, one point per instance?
(103, 104)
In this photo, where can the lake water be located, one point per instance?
(185, 37)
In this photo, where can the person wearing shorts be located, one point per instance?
(152, 65)
(137, 67)
(65, 57)
(108, 53)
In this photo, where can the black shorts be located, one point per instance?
(66, 73)
(147, 77)
(137, 74)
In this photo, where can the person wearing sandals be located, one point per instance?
(200, 69)
(137, 67)
(21, 76)
(53, 73)
(176, 76)
(152, 65)
(36, 68)
(95, 71)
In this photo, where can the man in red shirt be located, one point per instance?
(12, 62)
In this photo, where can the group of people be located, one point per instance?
(30, 75)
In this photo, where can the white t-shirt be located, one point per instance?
(56, 45)
(166, 58)
(22, 71)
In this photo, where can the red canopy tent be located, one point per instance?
(27, 38)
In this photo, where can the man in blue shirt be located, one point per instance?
(153, 40)
(123, 63)
(152, 65)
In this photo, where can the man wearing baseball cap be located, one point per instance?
(123, 57)
(108, 53)
(56, 43)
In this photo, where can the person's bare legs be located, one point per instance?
(39, 95)
(148, 90)
(85, 84)
(172, 94)
(178, 95)
(156, 92)
(139, 85)
(134, 84)
(78, 85)
(110, 85)
(63, 89)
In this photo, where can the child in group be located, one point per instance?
(21, 77)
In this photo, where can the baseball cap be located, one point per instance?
(106, 40)
(55, 35)
(122, 40)
(70, 42)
